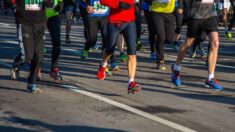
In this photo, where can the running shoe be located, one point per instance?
(229, 35)
(133, 88)
(55, 74)
(160, 66)
(114, 66)
(203, 54)
(15, 69)
(27, 66)
(123, 57)
(84, 55)
(139, 45)
(67, 40)
(153, 56)
(175, 78)
(176, 45)
(192, 53)
(45, 50)
(108, 73)
(213, 83)
(101, 73)
(33, 89)
(96, 47)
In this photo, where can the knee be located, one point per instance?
(214, 45)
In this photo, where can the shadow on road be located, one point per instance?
(42, 126)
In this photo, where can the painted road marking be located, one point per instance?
(136, 111)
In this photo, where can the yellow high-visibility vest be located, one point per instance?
(163, 6)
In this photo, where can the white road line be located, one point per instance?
(136, 111)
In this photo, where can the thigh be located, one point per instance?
(53, 25)
(170, 27)
(113, 32)
(93, 26)
(194, 28)
(28, 41)
(39, 31)
(129, 33)
(103, 28)
(158, 22)
(211, 25)
(69, 12)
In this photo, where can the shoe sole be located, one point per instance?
(134, 90)
(217, 90)
(115, 69)
(14, 74)
(34, 92)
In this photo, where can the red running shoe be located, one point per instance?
(101, 73)
(133, 87)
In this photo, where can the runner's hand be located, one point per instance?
(180, 11)
(90, 9)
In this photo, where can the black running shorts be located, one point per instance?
(197, 26)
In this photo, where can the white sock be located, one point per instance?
(131, 80)
(211, 76)
(176, 67)
(104, 64)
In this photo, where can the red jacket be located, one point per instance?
(118, 15)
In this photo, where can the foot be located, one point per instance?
(203, 54)
(45, 50)
(33, 89)
(213, 83)
(139, 45)
(133, 88)
(114, 66)
(55, 74)
(67, 40)
(84, 55)
(108, 73)
(176, 45)
(192, 53)
(123, 57)
(153, 57)
(15, 69)
(228, 35)
(175, 78)
(101, 73)
(160, 66)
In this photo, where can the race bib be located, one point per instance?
(207, 1)
(100, 9)
(33, 5)
(163, 1)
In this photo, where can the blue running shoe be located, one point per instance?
(153, 56)
(213, 83)
(114, 66)
(175, 78)
(33, 89)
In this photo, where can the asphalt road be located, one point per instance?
(82, 103)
